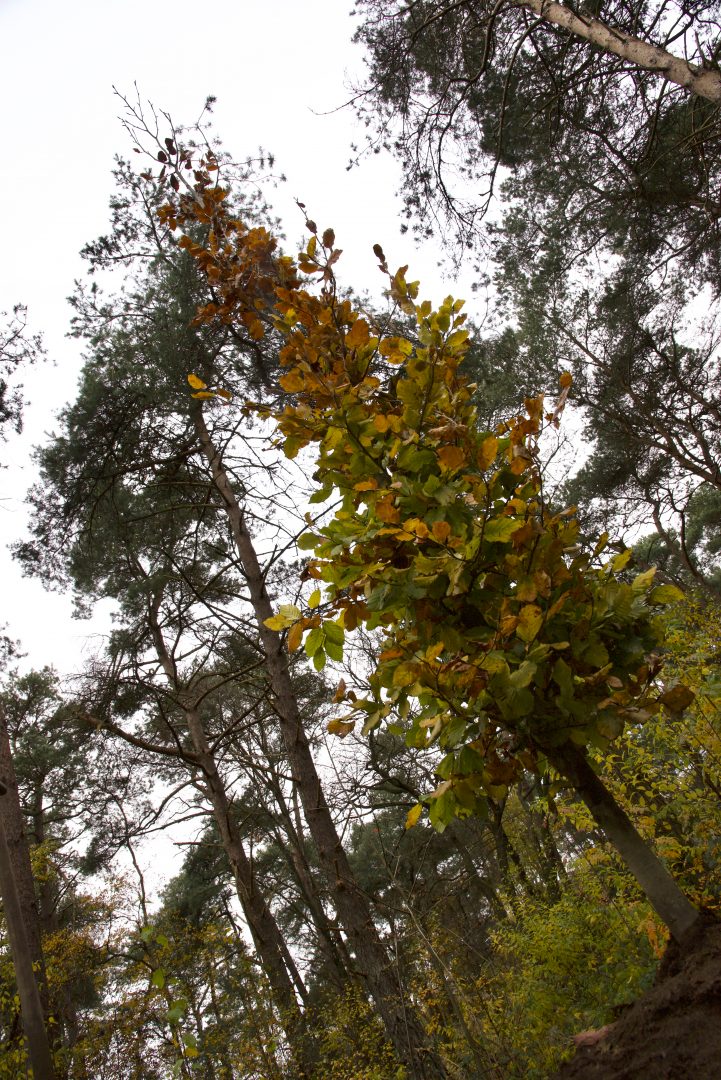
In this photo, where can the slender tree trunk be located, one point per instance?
(31, 1008)
(482, 883)
(293, 851)
(697, 80)
(272, 950)
(398, 1015)
(550, 863)
(269, 943)
(664, 895)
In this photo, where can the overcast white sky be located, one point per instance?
(280, 69)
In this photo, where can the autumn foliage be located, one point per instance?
(503, 639)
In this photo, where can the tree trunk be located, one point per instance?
(398, 1015)
(15, 837)
(269, 943)
(483, 884)
(272, 950)
(707, 84)
(31, 1008)
(663, 893)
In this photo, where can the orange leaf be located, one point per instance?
(295, 636)
(340, 727)
(451, 457)
(487, 452)
(387, 511)
(441, 531)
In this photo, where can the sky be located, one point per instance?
(281, 72)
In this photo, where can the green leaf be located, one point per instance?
(501, 529)
(523, 676)
(309, 541)
(158, 978)
(319, 660)
(177, 1010)
(333, 632)
(334, 651)
(314, 641)
(665, 594)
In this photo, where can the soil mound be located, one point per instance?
(673, 1032)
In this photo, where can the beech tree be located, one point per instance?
(505, 643)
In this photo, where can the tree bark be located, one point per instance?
(664, 895)
(697, 80)
(400, 1020)
(31, 1008)
(15, 837)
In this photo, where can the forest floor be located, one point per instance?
(673, 1032)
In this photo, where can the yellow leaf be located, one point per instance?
(295, 636)
(416, 526)
(292, 382)
(196, 383)
(405, 674)
(413, 815)
(225, 394)
(487, 452)
(314, 598)
(387, 510)
(392, 345)
(287, 615)
(204, 394)
(565, 380)
(530, 619)
(358, 335)
(642, 581)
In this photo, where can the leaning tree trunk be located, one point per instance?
(664, 895)
(706, 83)
(400, 1019)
